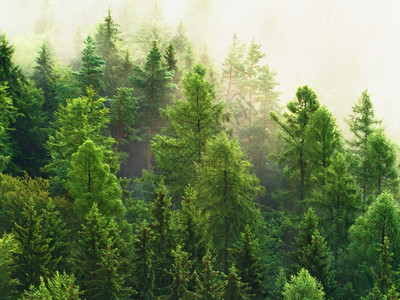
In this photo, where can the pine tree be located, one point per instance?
(33, 256)
(152, 81)
(193, 120)
(107, 37)
(123, 110)
(226, 191)
(246, 257)
(293, 129)
(143, 263)
(45, 79)
(235, 289)
(91, 181)
(362, 123)
(92, 69)
(209, 285)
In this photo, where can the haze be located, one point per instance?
(338, 48)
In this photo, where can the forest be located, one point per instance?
(140, 169)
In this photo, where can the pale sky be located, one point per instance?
(337, 47)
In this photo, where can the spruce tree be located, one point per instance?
(209, 285)
(45, 79)
(246, 256)
(144, 273)
(33, 256)
(235, 289)
(92, 69)
(384, 277)
(226, 192)
(303, 286)
(181, 275)
(152, 83)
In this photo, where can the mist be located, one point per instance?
(338, 48)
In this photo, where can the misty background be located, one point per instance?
(338, 48)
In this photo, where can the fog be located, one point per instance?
(338, 48)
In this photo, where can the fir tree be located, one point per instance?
(92, 69)
(303, 286)
(209, 285)
(33, 256)
(383, 279)
(181, 275)
(246, 256)
(235, 289)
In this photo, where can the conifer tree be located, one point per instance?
(279, 285)
(235, 289)
(107, 37)
(226, 192)
(293, 128)
(383, 279)
(8, 246)
(246, 257)
(303, 286)
(91, 181)
(92, 69)
(45, 79)
(144, 272)
(123, 110)
(193, 120)
(181, 275)
(362, 123)
(209, 285)
(33, 256)
(124, 71)
(152, 82)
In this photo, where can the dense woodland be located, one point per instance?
(154, 174)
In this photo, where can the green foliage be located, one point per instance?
(303, 286)
(246, 257)
(33, 255)
(384, 280)
(59, 287)
(123, 109)
(194, 120)
(92, 69)
(91, 181)
(209, 285)
(226, 191)
(143, 263)
(280, 283)
(8, 246)
(235, 289)
(181, 275)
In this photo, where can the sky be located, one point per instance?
(338, 48)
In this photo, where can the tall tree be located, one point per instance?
(181, 275)
(92, 70)
(107, 38)
(303, 286)
(362, 123)
(194, 120)
(246, 257)
(235, 289)
(152, 82)
(226, 192)
(91, 181)
(293, 128)
(45, 78)
(33, 256)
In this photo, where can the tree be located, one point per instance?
(209, 285)
(143, 263)
(91, 181)
(384, 280)
(293, 129)
(181, 275)
(235, 289)
(280, 283)
(152, 82)
(33, 255)
(92, 69)
(362, 123)
(123, 110)
(45, 79)
(60, 286)
(194, 120)
(381, 163)
(8, 246)
(107, 37)
(313, 253)
(226, 191)
(303, 286)
(246, 257)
